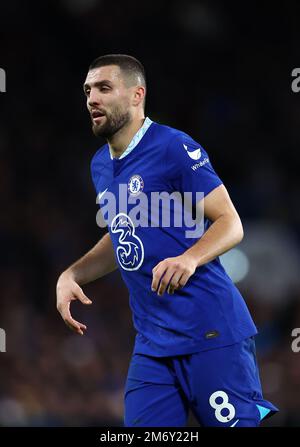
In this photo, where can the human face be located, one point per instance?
(108, 100)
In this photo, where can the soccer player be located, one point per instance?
(194, 346)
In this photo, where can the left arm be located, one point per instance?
(225, 232)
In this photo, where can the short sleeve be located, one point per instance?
(188, 167)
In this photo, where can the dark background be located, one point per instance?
(220, 71)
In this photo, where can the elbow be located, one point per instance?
(238, 230)
(241, 233)
(235, 229)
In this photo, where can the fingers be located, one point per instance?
(73, 324)
(158, 272)
(162, 276)
(76, 326)
(174, 283)
(183, 280)
(68, 290)
(165, 281)
(81, 296)
(171, 274)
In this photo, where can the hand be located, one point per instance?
(172, 273)
(68, 290)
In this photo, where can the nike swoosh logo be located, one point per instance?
(195, 155)
(234, 423)
(101, 194)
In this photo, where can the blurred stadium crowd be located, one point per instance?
(222, 75)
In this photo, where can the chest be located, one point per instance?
(135, 177)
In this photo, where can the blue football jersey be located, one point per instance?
(209, 311)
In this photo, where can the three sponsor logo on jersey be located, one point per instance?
(130, 250)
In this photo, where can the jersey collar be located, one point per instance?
(136, 139)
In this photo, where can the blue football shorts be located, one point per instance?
(221, 387)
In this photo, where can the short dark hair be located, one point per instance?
(129, 66)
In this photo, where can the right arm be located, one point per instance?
(97, 262)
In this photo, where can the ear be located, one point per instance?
(138, 95)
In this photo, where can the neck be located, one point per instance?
(121, 139)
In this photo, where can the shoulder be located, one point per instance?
(168, 133)
(174, 137)
(178, 144)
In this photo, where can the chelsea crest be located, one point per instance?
(135, 185)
